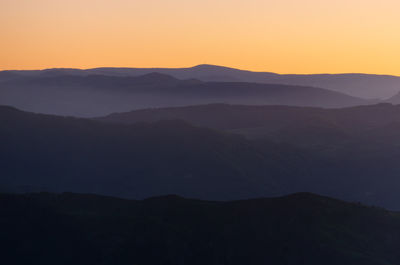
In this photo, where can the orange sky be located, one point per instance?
(285, 36)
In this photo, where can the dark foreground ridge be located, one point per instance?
(303, 228)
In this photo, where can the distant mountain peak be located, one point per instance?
(210, 66)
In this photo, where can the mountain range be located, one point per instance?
(365, 86)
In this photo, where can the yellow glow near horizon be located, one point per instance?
(285, 36)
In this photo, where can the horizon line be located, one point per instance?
(198, 65)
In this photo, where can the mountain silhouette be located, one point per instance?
(301, 228)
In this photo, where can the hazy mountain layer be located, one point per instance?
(96, 95)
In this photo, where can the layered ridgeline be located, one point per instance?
(281, 123)
(340, 159)
(95, 95)
(50, 153)
(358, 85)
(297, 229)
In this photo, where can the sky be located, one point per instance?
(283, 36)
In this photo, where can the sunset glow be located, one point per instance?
(285, 36)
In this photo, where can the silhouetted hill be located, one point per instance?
(297, 229)
(358, 85)
(50, 153)
(95, 95)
